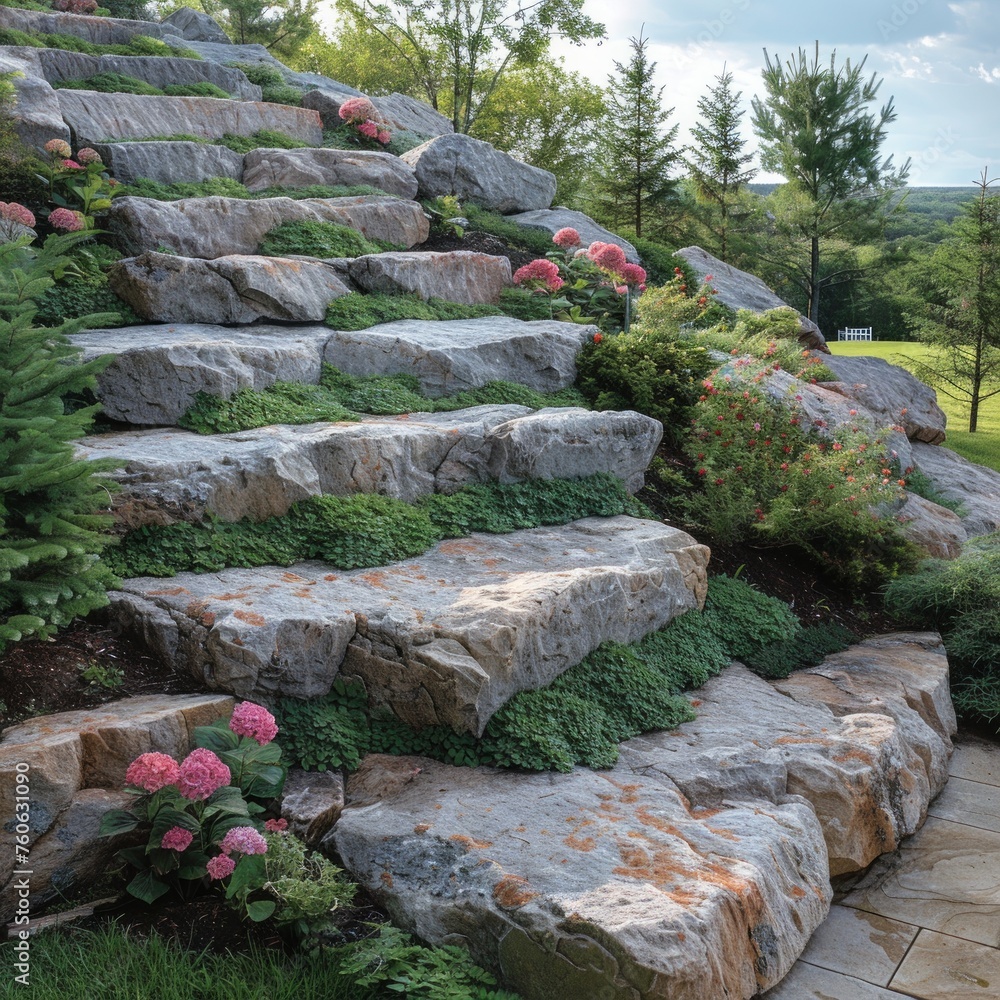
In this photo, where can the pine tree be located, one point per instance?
(637, 150)
(718, 164)
(51, 528)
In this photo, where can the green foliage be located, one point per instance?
(264, 138)
(807, 648)
(321, 191)
(918, 482)
(744, 619)
(658, 260)
(52, 525)
(395, 962)
(281, 25)
(317, 239)
(342, 397)
(109, 83)
(520, 303)
(83, 290)
(365, 529)
(358, 312)
(226, 187)
(523, 237)
(139, 45)
(329, 732)
(100, 675)
(198, 88)
(273, 87)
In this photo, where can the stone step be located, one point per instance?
(977, 487)
(217, 227)
(168, 162)
(695, 869)
(94, 117)
(261, 473)
(159, 369)
(100, 30)
(264, 168)
(445, 638)
(58, 65)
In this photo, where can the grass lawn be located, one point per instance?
(983, 447)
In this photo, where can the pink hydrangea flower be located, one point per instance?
(245, 840)
(15, 212)
(253, 721)
(220, 867)
(607, 256)
(633, 274)
(357, 109)
(384, 136)
(67, 220)
(71, 165)
(566, 238)
(368, 128)
(152, 771)
(88, 155)
(177, 839)
(202, 773)
(58, 147)
(276, 825)
(541, 273)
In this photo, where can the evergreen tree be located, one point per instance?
(51, 528)
(816, 129)
(637, 150)
(718, 164)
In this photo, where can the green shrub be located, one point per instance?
(199, 88)
(807, 648)
(139, 45)
(744, 619)
(657, 259)
(358, 312)
(526, 237)
(322, 191)
(273, 87)
(83, 290)
(520, 303)
(226, 187)
(109, 83)
(918, 482)
(311, 238)
(261, 139)
(342, 397)
(52, 525)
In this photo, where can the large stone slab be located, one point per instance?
(36, 115)
(261, 473)
(264, 168)
(740, 290)
(397, 111)
(158, 370)
(603, 884)
(233, 289)
(95, 117)
(101, 30)
(69, 753)
(456, 276)
(216, 227)
(554, 219)
(170, 162)
(196, 26)
(58, 65)
(472, 170)
(614, 884)
(445, 638)
(453, 355)
(891, 393)
(935, 529)
(976, 486)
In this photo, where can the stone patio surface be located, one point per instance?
(923, 921)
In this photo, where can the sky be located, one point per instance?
(938, 61)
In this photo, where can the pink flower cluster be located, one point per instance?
(220, 867)
(253, 721)
(86, 156)
(66, 220)
(633, 274)
(75, 6)
(177, 839)
(541, 273)
(567, 238)
(16, 214)
(357, 109)
(243, 840)
(58, 147)
(276, 825)
(152, 771)
(607, 256)
(201, 774)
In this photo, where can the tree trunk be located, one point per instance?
(814, 281)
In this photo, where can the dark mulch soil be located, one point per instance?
(444, 242)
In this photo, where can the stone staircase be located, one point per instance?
(698, 867)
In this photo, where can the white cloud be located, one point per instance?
(986, 75)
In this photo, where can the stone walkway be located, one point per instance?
(923, 921)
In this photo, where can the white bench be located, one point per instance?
(855, 333)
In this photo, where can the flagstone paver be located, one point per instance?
(923, 921)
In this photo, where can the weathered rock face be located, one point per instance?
(263, 168)
(474, 171)
(554, 219)
(233, 289)
(451, 356)
(37, 116)
(458, 276)
(196, 26)
(261, 473)
(169, 162)
(76, 764)
(312, 802)
(892, 394)
(102, 30)
(217, 227)
(61, 64)
(697, 868)
(977, 487)
(158, 370)
(935, 529)
(740, 290)
(445, 638)
(399, 111)
(94, 117)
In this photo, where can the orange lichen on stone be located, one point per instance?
(421, 827)
(238, 596)
(725, 834)
(250, 617)
(386, 878)
(798, 892)
(580, 843)
(457, 548)
(169, 592)
(293, 578)
(513, 891)
(854, 753)
(330, 577)
(375, 579)
(196, 609)
(704, 812)
(470, 842)
(302, 592)
(818, 740)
